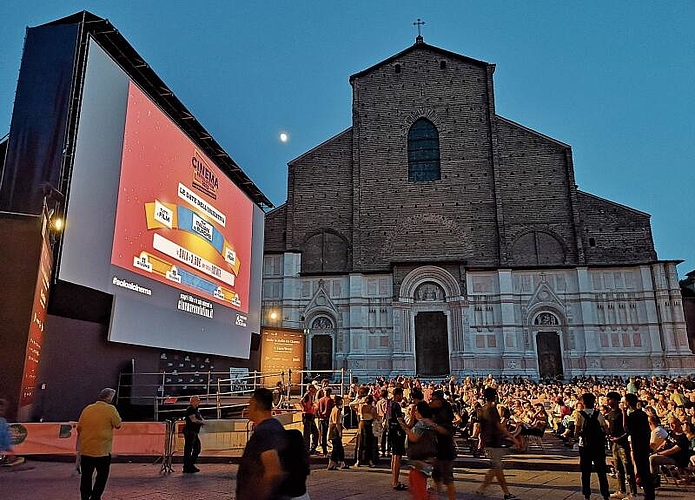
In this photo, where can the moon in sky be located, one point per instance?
(284, 137)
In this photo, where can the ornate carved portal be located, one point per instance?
(429, 292)
(549, 355)
(431, 344)
(321, 352)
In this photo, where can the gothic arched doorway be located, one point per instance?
(549, 355)
(321, 352)
(321, 344)
(431, 344)
(548, 345)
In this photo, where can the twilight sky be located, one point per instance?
(615, 80)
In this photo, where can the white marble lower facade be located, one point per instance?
(570, 321)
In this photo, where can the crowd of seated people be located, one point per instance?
(530, 408)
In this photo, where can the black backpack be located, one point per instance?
(593, 433)
(424, 448)
(295, 462)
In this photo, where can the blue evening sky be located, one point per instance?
(615, 80)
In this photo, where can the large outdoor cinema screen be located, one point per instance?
(152, 220)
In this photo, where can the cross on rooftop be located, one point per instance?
(418, 23)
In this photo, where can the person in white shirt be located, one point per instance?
(658, 435)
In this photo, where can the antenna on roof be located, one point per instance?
(419, 23)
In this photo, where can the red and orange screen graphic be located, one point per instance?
(179, 219)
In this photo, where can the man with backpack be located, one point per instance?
(274, 465)
(590, 430)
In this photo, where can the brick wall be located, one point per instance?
(534, 185)
(453, 218)
(613, 233)
(275, 230)
(506, 196)
(320, 195)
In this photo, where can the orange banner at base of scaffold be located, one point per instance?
(56, 438)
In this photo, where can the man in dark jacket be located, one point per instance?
(191, 447)
(620, 448)
(261, 474)
(443, 416)
(637, 426)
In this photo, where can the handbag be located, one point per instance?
(377, 428)
(333, 432)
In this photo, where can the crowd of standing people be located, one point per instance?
(645, 426)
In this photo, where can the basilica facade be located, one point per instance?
(437, 237)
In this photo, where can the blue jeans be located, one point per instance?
(311, 432)
(624, 467)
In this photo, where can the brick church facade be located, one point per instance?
(434, 236)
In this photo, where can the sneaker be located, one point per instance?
(509, 496)
(11, 462)
(618, 494)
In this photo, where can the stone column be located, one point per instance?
(587, 301)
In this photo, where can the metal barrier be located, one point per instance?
(218, 437)
(218, 391)
(163, 390)
(244, 386)
(337, 379)
(167, 467)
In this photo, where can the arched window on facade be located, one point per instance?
(423, 152)
(325, 251)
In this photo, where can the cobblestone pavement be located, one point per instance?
(36, 480)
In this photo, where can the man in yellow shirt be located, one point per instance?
(95, 439)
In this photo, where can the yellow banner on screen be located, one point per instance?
(172, 216)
